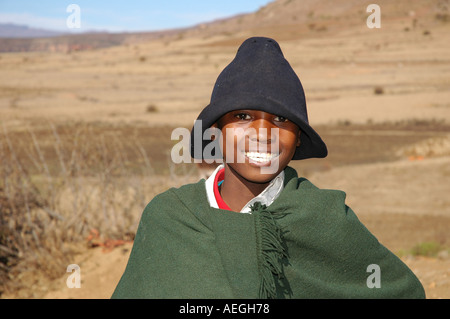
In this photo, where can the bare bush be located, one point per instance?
(55, 188)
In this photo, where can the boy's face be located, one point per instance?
(262, 144)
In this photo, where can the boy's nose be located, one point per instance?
(263, 132)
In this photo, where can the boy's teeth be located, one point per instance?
(259, 157)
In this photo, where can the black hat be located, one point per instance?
(260, 78)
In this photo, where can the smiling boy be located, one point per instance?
(253, 232)
(272, 142)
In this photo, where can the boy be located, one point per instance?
(254, 229)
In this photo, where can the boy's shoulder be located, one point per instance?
(178, 197)
(184, 205)
(189, 192)
(308, 189)
(307, 186)
(302, 196)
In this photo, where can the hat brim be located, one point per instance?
(311, 144)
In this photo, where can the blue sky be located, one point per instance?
(118, 16)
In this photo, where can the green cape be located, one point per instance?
(306, 244)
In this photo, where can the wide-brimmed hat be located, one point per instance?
(260, 78)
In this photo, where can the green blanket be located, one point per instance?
(306, 244)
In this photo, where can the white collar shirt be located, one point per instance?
(266, 197)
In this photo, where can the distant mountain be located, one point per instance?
(10, 30)
(281, 19)
(78, 42)
(22, 38)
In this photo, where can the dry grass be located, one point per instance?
(57, 186)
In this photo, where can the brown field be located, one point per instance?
(85, 136)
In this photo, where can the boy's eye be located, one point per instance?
(280, 119)
(243, 116)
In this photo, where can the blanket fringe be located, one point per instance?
(272, 250)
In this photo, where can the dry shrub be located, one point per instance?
(431, 147)
(378, 90)
(151, 108)
(55, 188)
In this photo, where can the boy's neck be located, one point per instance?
(237, 191)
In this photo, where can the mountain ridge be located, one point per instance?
(283, 19)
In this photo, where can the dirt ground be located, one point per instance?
(380, 98)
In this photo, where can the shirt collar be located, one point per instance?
(266, 197)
